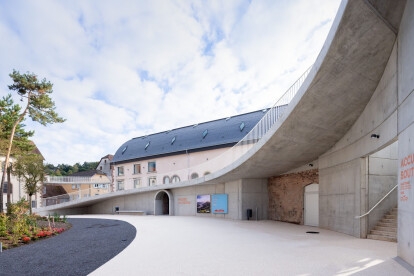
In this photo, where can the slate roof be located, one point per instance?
(221, 133)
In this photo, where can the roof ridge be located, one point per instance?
(198, 124)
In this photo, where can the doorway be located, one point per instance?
(162, 203)
(311, 205)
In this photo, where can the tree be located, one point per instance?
(9, 114)
(30, 168)
(39, 106)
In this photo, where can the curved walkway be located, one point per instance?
(86, 246)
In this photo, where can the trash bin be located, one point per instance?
(116, 209)
(249, 213)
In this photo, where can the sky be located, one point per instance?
(122, 69)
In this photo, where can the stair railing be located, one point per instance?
(367, 213)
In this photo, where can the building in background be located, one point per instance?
(17, 191)
(149, 160)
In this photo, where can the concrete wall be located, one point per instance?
(286, 195)
(343, 170)
(242, 194)
(406, 135)
(382, 177)
(341, 190)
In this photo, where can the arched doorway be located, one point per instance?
(311, 205)
(163, 203)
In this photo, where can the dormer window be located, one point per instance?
(242, 125)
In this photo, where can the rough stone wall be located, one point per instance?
(286, 195)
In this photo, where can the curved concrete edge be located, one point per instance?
(243, 166)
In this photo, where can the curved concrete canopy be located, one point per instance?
(333, 96)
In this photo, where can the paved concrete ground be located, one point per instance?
(78, 251)
(206, 246)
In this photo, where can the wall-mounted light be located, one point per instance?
(375, 136)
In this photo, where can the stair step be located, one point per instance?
(386, 224)
(385, 228)
(391, 217)
(382, 238)
(386, 220)
(384, 233)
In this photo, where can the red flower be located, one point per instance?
(26, 239)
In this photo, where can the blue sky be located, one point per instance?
(122, 69)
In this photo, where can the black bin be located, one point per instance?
(249, 213)
(116, 209)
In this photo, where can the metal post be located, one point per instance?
(1, 247)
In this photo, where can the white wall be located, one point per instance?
(406, 133)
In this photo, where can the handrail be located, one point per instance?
(357, 217)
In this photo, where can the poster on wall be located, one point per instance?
(219, 204)
(203, 204)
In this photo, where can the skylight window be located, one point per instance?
(147, 145)
(173, 139)
(195, 125)
(242, 125)
(228, 118)
(124, 150)
(205, 133)
(264, 110)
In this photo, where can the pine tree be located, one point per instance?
(39, 107)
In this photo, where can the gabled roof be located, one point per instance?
(213, 134)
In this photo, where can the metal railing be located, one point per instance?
(384, 197)
(229, 156)
(271, 116)
(78, 195)
(75, 180)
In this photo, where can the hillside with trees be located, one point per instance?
(65, 169)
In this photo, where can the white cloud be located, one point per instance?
(124, 69)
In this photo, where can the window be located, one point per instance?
(124, 150)
(120, 185)
(166, 180)
(152, 167)
(34, 203)
(100, 168)
(75, 186)
(152, 181)
(194, 175)
(242, 125)
(175, 179)
(205, 133)
(105, 161)
(96, 186)
(137, 168)
(137, 183)
(173, 139)
(147, 145)
(120, 171)
(206, 173)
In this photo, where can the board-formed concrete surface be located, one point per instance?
(170, 245)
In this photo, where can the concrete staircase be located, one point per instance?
(386, 229)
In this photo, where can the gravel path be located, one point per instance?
(86, 246)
